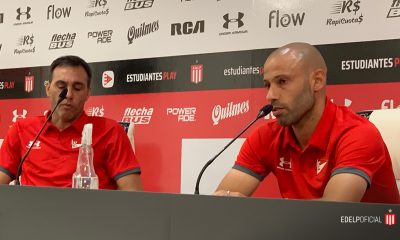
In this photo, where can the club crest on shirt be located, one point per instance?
(75, 144)
(284, 165)
(320, 165)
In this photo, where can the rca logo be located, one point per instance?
(18, 116)
(108, 79)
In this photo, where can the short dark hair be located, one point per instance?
(71, 61)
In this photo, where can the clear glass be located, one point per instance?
(85, 176)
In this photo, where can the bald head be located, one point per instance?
(301, 53)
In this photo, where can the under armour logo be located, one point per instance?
(35, 146)
(233, 20)
(17, 116)
(27, 14)
(284, 165)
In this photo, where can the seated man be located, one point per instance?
(54, 156)
(316, 149)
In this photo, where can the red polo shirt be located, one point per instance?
(53, 158)
(342, 142)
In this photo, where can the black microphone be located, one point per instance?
(61, 97)
(263, 112)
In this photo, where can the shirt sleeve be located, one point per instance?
(360, 151)
(251, 158)
(10, 153)
(122, 160)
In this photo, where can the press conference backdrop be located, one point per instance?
(189, 73)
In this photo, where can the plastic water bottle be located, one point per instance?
(85, 176)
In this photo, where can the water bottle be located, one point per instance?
(85, 176)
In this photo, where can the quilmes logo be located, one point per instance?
(95, 111)
(138, 115)
(103, 36)
(349, 11)
(394, 10)
(100, 10)
(23, 16)
(187, 28)
(149, 77)
(29, 83)
(138, 4)
(5, 85)
(278, 19)
(185, 114)
(143, 30)
(230, 110)
(24, 45)
(57, 13)
(107, 80)
(60, 41)
(234, 22)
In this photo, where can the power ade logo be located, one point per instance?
(25, 45)
(233, 21)
(23, 14)
(186, 114)
(97, 4)
(345, 7)
(138, 115)
(278, 19)
(394, 10)
(108, 79)
(149, 77)
(144, 29)
(53, 12)
(231, 110)
(374, 63)
(138, 4)
(187, 28)
(239, 71)
(60, 41)
(103, 36)
(95, 111)
(5, 85)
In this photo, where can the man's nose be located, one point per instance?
(271, 94)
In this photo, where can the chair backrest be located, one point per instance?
(388, 123)
(129, 128)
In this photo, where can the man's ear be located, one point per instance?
(47, 87)
(319, 79)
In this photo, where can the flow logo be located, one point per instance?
(278, 19)
(53, 12)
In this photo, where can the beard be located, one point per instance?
(303, 103)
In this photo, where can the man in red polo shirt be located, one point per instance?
(316, 149)
(53, 158)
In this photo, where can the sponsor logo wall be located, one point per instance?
(155, 68)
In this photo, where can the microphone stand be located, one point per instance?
(61, 97)
(263, 112)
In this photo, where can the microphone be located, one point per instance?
(262, 113)
(61, 97)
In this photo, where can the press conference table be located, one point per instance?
(55, 213)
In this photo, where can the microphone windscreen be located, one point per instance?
(265, 110)
(63, 94)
